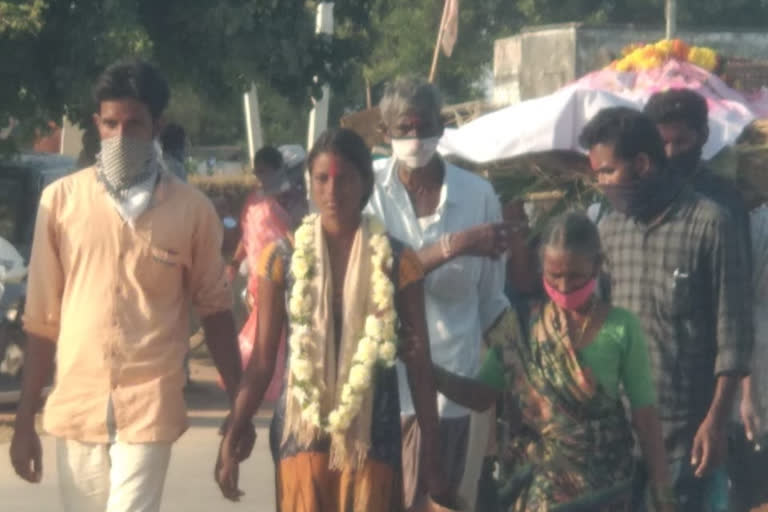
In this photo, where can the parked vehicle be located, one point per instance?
(22, 180)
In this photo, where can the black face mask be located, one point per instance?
(685, 164)
(643, 198)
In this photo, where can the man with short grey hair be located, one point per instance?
(452, 218)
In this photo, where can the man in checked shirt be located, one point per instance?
(675, 259)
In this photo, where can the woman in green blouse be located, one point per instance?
(571, 443)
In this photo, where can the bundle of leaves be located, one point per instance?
(553, 181)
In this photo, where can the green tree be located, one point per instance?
(403, 35)
(746, 13)
(52, 50)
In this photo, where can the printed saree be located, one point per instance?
(567, 444)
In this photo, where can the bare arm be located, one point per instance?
(725, 394)
(472, 393)
(221, 339)
(485, 240)
(26, 451)
(259, 370)
(646, 422)
(710, 444)
(415, 354)
(468, 393)
(42, 316)
(38, 367)
(522, 271)
(258, 373)
(729, 269)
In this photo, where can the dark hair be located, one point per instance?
(91, 144)
(572, 231)
(350, 146)
(134, 79)
(631, 132)
(268, 156)
(679, 105)
(173, 138)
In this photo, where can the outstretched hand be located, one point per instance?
(492, 240)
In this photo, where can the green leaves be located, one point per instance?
(18, 18)
(52, 52)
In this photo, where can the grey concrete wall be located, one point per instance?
(540, 60)
(507, 58)
(548, 61)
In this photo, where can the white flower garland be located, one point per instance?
(378, 344)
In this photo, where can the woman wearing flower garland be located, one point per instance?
(571, 442)
(349, 287)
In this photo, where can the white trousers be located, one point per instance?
(477, 448)
(115, 477)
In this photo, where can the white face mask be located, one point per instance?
(415, 153)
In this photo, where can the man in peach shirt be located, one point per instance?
(120, 251)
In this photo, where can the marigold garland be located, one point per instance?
(639, 57)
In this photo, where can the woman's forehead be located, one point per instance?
(333, 164)
(562, 257)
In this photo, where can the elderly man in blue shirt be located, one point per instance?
(452, 218)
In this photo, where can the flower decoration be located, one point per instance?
(639, 57)
(378, 342)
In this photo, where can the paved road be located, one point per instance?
(190, 486)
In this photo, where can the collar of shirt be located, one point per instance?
(448, 197)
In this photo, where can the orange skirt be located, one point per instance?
(305, 484)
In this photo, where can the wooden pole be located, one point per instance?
(671, 15)
(368, 102)
(436, 55)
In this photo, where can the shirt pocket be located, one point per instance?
(159, 271)
(678, 293)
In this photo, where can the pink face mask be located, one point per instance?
(571, 300)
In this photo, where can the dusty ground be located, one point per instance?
(189, 486)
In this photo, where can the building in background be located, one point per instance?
(541, 60)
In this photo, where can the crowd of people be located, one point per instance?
(411, 326)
